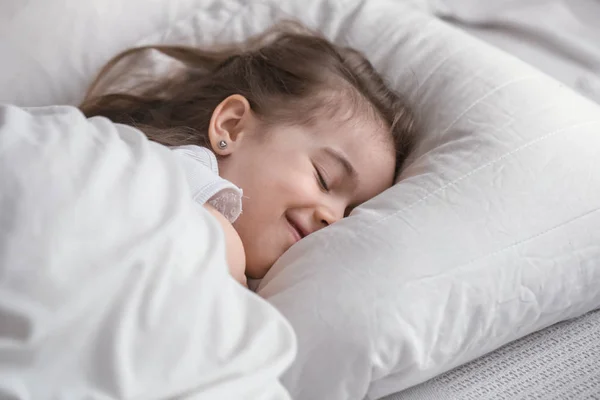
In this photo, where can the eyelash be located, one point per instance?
(322, 182)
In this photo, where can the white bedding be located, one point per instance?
(491, 235)
(113, 284)
(561, 362)
(560, 37)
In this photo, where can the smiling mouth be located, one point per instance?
(296, 230)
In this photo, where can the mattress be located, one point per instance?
(561, 362)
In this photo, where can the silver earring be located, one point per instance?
(222, 144)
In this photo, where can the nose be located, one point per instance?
(326, 215)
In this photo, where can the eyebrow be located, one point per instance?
(341, 158)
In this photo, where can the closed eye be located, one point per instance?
(322, 182)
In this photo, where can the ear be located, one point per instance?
(228, 124)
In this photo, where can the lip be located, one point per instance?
(296, 230)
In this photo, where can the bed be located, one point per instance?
(489, 236)
(561, 362)
(564, 43)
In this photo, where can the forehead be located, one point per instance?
(351, 120)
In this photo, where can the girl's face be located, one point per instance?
(298, 179)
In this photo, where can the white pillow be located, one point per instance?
(490, 235)
(113, 284)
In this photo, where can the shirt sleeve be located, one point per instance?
(202, 173)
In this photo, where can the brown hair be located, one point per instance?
(284, 73)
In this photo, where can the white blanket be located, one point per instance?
(112, 284)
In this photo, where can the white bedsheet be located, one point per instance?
(559, 37)
(113, 285)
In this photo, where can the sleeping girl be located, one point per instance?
(279, 137)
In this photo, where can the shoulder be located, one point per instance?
(207, 187)
(200, 155)
(236, 256)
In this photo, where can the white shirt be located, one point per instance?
(202, 172)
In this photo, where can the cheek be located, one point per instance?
(267, 201)
(272, 185)
(296, 190)
(280, 187)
